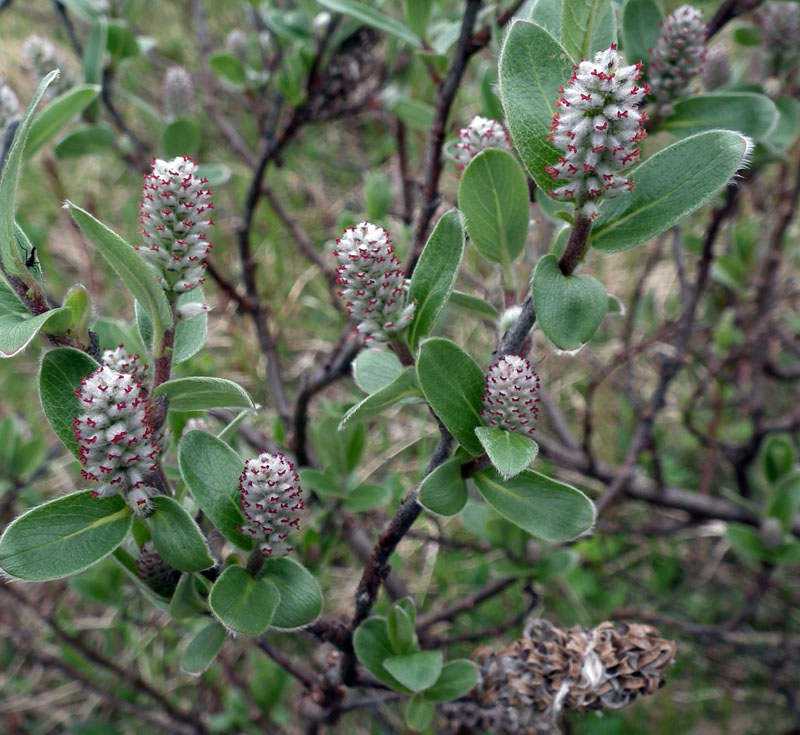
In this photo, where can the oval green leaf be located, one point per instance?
(301, 597)
(418, 670)
(402, 387)
(242, 603)
(453, 386)
(177, 538)
(493, 195)
(373, 646)
(750, 114)
(444, 491)
(509, 453)
(196, 394)
(580, 23)
(63, 536)
(569, 309)
(131, 269)
(211, 470)
(640, 29)
(59, 377)
(545, 508)
(670, 185)
(203, 649)
(375, 368)
(180, 138)
(373, 18)
(58, 113)
(86, 140)
(435, 275)
(457, 678)
(533, 65)
(18, 327)
(229, 68)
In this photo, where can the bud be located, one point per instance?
(177, 93)
(780, 33)
(191, 310)
(115, 442)
(39, 57)
(174, 217)
(717, 68)
(525, 687)
(479, 135)
(155, 572)
(509, 397)
(9, 104)
(598, 126)
(374, 285)
(236, 43)
(677, 57)
(120, 361)
(771, 533)
(271, 501)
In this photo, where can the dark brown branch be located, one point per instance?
(464, 604)
(286, 663)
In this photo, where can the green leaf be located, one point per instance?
(211, 471)
(475, 305)
(177, 538)
(203, 649)
(59, 377)
(320, 483)
(417, 671)
(190, 334)
(131, 269)
(779, 457)
(493, 195)
(186, 601)
(180, 138)
(746, 540)
(229, 68)
(547, 14)
(242, 603)
(122, 44)
(63, 536)
(670, 185)
(372, 18)
(569, 309)
(435, 275)
(418, 13)
(375, 368)
(419, 713)
(580, 20)
(750, 114)
(457, 679)
(453, 386)
(786, 129)
(403, 386)
(301, 597)
(400, 627)
(366, 497)
(18, 327)
(784, 499)
(545, 508)
(533, 65)
(640, 29)
(373, 646)
(9, 255)
(58, 113)
(747, 35)
(196, 394)
(510, 453)
(444, 491)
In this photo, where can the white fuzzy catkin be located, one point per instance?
(677, 57)
(177, 93)
(118, 359)
(509, 398)
(374, 287)
(716, 68)
(115, 441)
(480, 134)
(39, 57)
(780, 33)
(9, 104)
(175, 215)
(272, 502)
(598, 127)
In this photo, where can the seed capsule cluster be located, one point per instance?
(598, 127)
(374, 287)
(271, 501)
(115, 441)
(509, 398)
(480, 134)
(175, 215)
(677, 57)
(155, 572)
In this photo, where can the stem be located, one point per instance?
(576, 245)
(400, 349)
